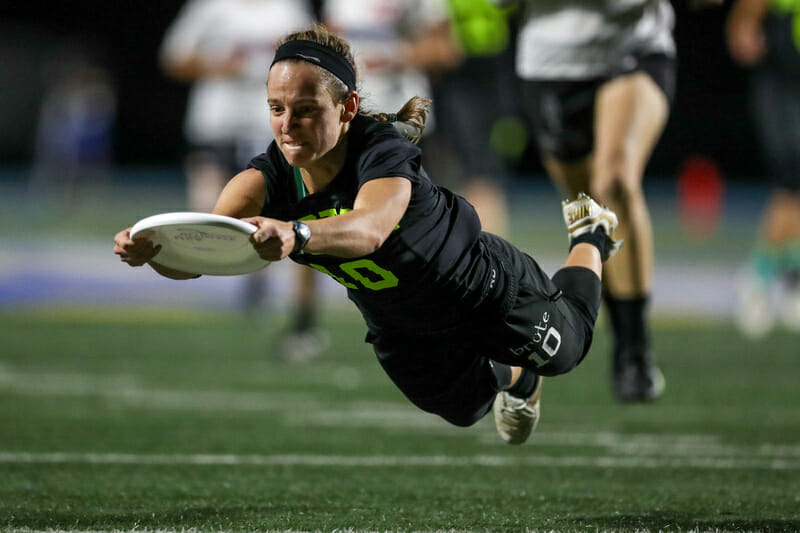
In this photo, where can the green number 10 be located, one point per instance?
(387, 279)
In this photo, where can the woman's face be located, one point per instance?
(305, 121)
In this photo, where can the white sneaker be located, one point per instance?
(756, 312)
(303, 346)
(790, 308)
(584, 215)
(516, 418)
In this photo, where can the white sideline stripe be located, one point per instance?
(709, 463)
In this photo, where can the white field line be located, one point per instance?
(315, 411)
(491, 461)
(669, 445)
(125, 388)
(128, 390)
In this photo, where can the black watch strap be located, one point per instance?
(301, 236)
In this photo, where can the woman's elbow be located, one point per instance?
(374, 243)
(373, 240)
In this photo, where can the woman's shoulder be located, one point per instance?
(369, 126)
(379, 150)
(371, 132)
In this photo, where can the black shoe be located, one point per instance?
(636, 378)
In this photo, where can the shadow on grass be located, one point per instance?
(666, 522)
(330, 515)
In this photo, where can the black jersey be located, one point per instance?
(430, 273)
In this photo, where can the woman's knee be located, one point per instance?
(464, 399)
(464, 412)
(559, 346)
(616, 178)
(569, 357)
(463, 419)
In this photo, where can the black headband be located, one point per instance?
(319, 55)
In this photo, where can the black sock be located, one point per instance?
(596, 238)
(628, 321)
(525, 385)
(305, 318)
(502, 375)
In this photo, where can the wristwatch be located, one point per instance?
(301, 236)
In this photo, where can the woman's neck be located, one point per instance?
(320, 174)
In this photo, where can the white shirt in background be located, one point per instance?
(580, 39)
(378, 29)
(232, 109)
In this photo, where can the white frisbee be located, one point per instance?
(201, 243)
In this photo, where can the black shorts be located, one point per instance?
(776, 112)
(226, 156)
(549, 326)
(467, 103)
(562, 112)
(548, 329)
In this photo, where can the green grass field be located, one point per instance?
(116, 419)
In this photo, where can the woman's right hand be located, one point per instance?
(135, 252)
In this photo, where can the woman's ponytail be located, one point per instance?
(410, 120)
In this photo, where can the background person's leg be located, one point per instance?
(630, 114)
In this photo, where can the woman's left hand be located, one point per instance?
(274, 239)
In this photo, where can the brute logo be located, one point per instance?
(543, 335)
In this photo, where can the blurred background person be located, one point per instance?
(73, 147)
(765, 35)
(456, 51)
(472, 99)
(223, 48)
(396, 44)
(598, 84)
(598, 79)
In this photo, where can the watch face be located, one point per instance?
(301, 235)
(303, 230)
